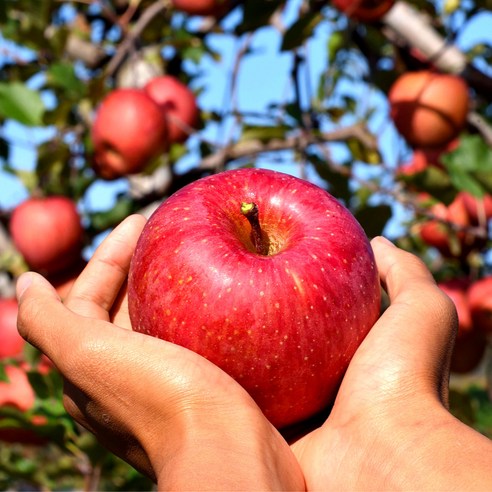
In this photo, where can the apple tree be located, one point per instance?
(108, 107)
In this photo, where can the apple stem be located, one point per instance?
(258, 238)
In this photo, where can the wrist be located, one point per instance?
(224, 447)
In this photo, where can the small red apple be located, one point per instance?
(202, 7)
(47, 232)
(447, 232)
(17, 392)
(11, 343)
(429, 109)
(457, 289)
(479, 209)
(264, 274)
(364, 10)
(178, 104)
(480, 299)
(128, 132)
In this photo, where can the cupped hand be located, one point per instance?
(394, 395)
(164, 409)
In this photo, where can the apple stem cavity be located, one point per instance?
(258, 238)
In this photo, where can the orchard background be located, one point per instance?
(304, 87)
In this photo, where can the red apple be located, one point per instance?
(479, 209)
(202, 7)
(480, 299)
(429, 109)
(12, 343)
(47, 232)
(364, 10)
(178, 104)
(447, 232)
(457, 289)
(280, 302)
(468, 352)
(129, 131)
(18, 393)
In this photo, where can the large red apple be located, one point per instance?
(129, 131)
(480, 299)
(364, 10)
(202, 7)
(47, 232)
(11, 343)
(267, 276)
(429, 109)
(17, 392)
(178, 104)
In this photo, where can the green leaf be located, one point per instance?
(335, 44)
(63, 75)
(470, 165)
(301, 30)
(18, 102)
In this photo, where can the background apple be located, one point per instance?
(178, 104)
(129, 130)
(479, 209)
(11, 343)
(480, 299)
(202, 7)
(284, 324)
(47, 232)
(457, 289)
(364, 10)
(18, 393)
(438, 232)
(429, 109)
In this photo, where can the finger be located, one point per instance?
(40, 312)
(420, 324)
(98, 286)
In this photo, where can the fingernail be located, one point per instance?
(385, 240)
(23, 282)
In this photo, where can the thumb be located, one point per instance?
(40, 311)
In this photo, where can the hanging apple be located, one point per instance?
(428, 108)
(178, 104)
(264, 274)
(47, 231)
(128, 132)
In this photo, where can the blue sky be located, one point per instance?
(263, 78)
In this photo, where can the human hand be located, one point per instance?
(164, 409)
(389, 428)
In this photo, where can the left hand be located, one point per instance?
(166, 410)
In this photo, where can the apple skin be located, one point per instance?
(364, 10)
(480, 299)
(429, 109)
(213, 8)
(129, 130)
(18, 393)
(178, 104)
(12, 343)
(47, 232)
(284, 325)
